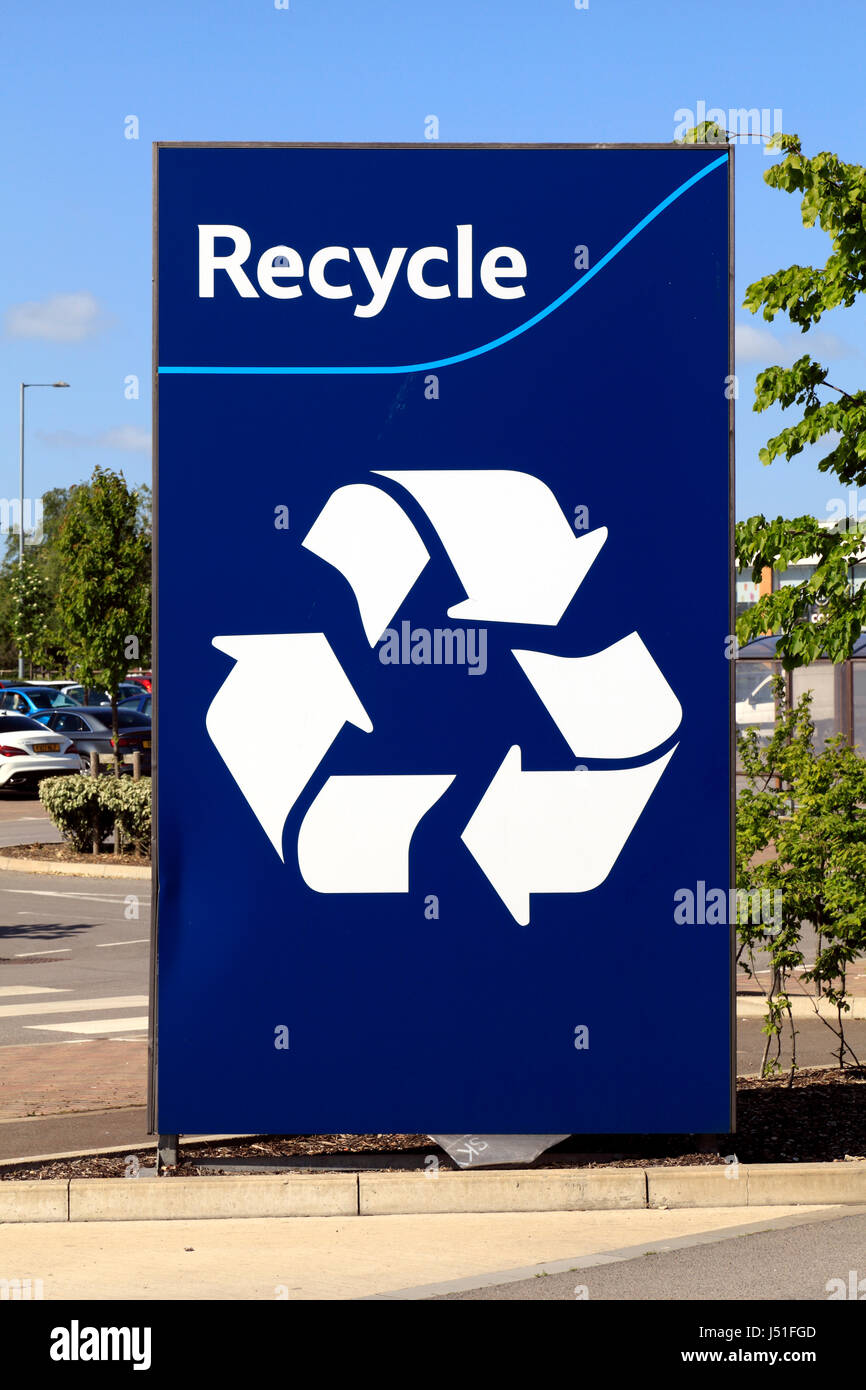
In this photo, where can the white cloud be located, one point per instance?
(129, 438)
(819, 344)
(755, 344)
(61, 318)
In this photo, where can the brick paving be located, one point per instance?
(59, 1078)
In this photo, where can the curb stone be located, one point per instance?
(583, 1189)
(38, 1200)
(108, 1199)
(49, 866)
(376, 1194)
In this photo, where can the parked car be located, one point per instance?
(142, 703)
(29, 752)
(29, 699)
(89, 729)
(97, 695)
(144, 679)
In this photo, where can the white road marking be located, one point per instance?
(89, 897)
(807, 965)
(55, 951)
(66, 1006)
(97, 1025)
(6, 990)
(137, 941)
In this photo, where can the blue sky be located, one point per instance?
(75, 240)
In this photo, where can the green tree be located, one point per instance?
(29, 609)
(832, 197)
(801, 832)
(42, 562)
(104, 592)
(45, 562)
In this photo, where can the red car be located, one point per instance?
(145, 680)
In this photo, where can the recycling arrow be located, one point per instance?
(364, 534)
(515, 553)
(555, 832)
(613, 704)
(355, 837)
(272, 761)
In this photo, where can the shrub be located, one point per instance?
(76, 807)
(77, 803)
(129, 804)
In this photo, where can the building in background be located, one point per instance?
(838, 690)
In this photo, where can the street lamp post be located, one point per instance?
(24, 385)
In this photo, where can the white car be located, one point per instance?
(29, 752)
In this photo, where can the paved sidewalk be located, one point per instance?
(56, 1078)
(344, 1257)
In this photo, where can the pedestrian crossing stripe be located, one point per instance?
(92, 1026)
(7, 990)
(66, 1006)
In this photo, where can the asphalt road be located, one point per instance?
(815, 1043)
(794, 1262)
(73, 958)
(23, 821)
(73, 951)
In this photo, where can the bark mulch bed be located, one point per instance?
(64, 854)
(822, 1117)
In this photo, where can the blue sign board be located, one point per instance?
(443, 732)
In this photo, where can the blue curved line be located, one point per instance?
(473, 352)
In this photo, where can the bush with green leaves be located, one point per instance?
(129, 804)
(81, 805)
(76, 806)
(801, 830)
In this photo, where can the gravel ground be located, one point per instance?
(822, 1117)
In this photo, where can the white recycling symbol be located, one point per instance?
(519, 561)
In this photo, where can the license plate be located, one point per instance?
(145, 743)
(46, 748)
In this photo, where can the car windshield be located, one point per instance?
(40, 698)
(130, 719)
(48, 698)
(86, 695)
(17, 723)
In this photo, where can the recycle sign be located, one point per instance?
(403, 392)
(519, 561)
